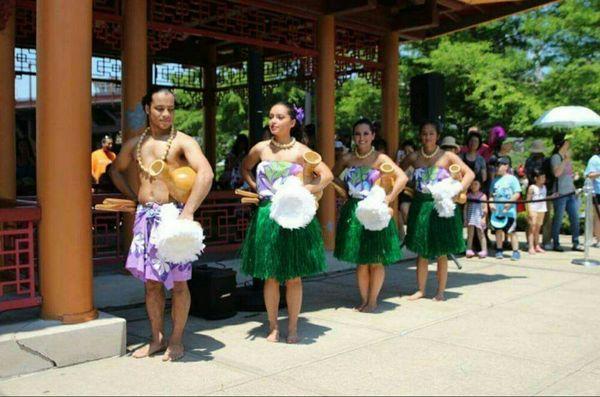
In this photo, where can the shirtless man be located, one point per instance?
(160, 141)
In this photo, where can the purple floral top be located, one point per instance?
(271, 174)
(360, 180)
(426, 175)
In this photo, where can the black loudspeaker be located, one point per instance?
(213, 292)
(250, 298)
(427, 98)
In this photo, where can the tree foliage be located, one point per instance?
(507, 72)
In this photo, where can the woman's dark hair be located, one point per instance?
(558, 140)
(364, 120)
(297, 131)
(147, 99)
(432, 123)
(472, 135)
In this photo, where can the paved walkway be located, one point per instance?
(528, 327)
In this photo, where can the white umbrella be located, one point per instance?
(569, 116)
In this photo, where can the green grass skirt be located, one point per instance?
(428, 234)
(270, 251)
(355, 244)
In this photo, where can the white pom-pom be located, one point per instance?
(292, 205)
(372, 212)
(443, 193)
(168, 212)
(178, 240)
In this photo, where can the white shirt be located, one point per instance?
(538, 194)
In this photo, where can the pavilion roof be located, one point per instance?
(182, 31)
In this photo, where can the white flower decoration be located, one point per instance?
(137, 245)
(160, 266)
(293, 206)
(443, 193)
(372, 212)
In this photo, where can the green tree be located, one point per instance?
(189, 118)
(232, 120)
(506, 72)
(356, 98)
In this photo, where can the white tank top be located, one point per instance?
(538, 194)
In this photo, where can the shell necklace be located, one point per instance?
(139, 148)
(428, 156)
(363, 156)
(283, 145)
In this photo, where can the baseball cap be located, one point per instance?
(503, 161)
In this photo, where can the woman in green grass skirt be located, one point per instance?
(370, 250)
(271, 252)
(429, 235)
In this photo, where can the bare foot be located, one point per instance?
(369, 308)
(439, 297)
(531, 252)
(416, 295)
(173, 353)
(149, 349)
(360, 307)
(273, 336)
(292, 338)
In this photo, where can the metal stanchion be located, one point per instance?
(588, 190)
(455, 260)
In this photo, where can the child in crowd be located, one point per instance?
(503, 219)
(476, 219)
(536, 211)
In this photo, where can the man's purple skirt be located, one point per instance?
(143, 261)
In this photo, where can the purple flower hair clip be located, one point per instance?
(299, 114)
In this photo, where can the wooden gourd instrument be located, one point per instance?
(179, 180)
(387, 179)
(456, 173)
(311, 161)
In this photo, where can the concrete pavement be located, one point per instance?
(509, 328)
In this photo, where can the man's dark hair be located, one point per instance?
(147, 99)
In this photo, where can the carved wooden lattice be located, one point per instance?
(108, 34)
(223, 218)
(25, 31)
(357, 52)
(231, 18)
(177, 75)
(17, 259)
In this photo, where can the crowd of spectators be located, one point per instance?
(543, 188)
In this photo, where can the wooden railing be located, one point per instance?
(18, 276)
(222, 216)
